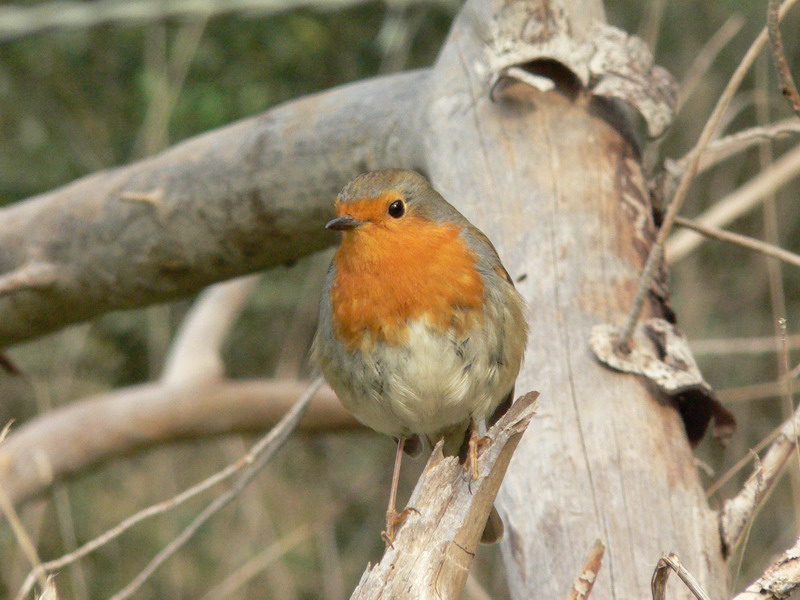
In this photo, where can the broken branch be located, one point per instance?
(779, 580)
(431, 555)
(739, 510)
(584, 582)
(661, 574)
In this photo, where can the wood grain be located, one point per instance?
(555, 181)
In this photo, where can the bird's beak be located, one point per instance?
(343, 223)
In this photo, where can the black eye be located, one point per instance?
(397, 209)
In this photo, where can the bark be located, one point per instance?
(554, 181)
(242, 198)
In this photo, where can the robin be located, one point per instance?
(421, 331)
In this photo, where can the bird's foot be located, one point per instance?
(394, 520)
(476, 441)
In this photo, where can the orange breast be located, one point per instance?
(388, 276)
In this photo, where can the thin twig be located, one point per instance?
(735, 204)
(788, 410)
(687, 177)
(772, 234)
(788, 86)
(267, 448)
(23, 539)
(723, 148)
(122, 527)
(738, 511)
(741, 240)
(654, 258)
(5, 430)
(263, 445)
(741, 345)
(650, 26)
(669, 562)
(706, 57)
(742, 462)
(748, 393)
(258, 563)
(584, 583)
(748, 530)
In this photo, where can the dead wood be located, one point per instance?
(245, 197)
(431, 555)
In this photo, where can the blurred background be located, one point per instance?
(76, 100)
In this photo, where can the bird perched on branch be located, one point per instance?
(421, 330)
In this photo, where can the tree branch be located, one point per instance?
(260, 455)
(741, 240)
(251, 463)
(435, 546)
(194, 354)
(739, 510)
(730, 145)
(741, 345)
(788, 86)
(582, 587)
(239, 199)
(687, 176)
(732, 206)
(19, 21)
(81, 435)
(779, 580)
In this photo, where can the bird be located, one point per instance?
(421, 331)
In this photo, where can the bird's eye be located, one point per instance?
(397, 209)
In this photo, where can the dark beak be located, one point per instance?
(343, 223)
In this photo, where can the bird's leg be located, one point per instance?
(475, 443)
(393, 518)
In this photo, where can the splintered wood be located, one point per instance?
(431, 555)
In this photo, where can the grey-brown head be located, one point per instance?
(379, 197)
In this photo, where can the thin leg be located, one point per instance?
(398, 461)
(475, 442)
(393, 518)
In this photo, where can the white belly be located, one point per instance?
(442, 382)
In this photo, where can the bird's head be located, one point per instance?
(391, 199)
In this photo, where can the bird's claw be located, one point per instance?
(394, 520)
(476, 441)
